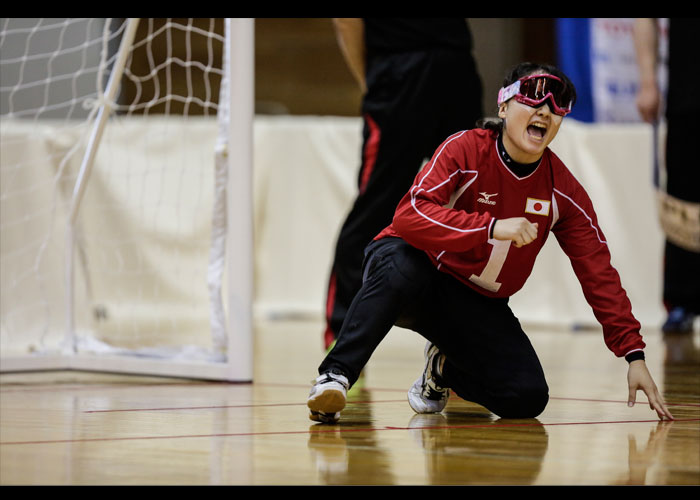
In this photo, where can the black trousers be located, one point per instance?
(681, 265)
(489, 359)
(415, 100)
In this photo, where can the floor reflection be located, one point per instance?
(463, 446)
(681, 370)
(473, 448)
(642, 456)
(349, 453)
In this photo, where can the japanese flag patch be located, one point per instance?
(537, 207)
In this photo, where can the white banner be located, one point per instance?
(614, 71)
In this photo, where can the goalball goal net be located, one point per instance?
(125, 196)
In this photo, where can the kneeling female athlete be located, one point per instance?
(463, 240)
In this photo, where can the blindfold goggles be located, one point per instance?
(534, 90)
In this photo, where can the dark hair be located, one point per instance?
(519, 71)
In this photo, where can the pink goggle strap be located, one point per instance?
(508, 92)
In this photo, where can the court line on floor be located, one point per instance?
(215, 407)
(72, 386)
(324, 429)
(261, 405)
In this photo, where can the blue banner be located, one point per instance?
(573, 58)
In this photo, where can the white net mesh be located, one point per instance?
(144, 226)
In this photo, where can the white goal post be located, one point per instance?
(126, 196)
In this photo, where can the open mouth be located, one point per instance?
(537, 130)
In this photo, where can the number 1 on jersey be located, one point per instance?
(487, 278)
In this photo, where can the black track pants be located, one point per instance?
(489, 359)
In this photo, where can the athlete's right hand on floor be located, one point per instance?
(639, 378)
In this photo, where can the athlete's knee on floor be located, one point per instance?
(528, 402)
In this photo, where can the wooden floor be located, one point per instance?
(100, 429)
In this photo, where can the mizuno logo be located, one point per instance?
(486, 198)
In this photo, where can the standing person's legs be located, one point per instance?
(386, 174)
(681, 293)
(415, 101)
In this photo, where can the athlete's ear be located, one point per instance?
(502, 109)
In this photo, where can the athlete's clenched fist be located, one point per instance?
(517, 229)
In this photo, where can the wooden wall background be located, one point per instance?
(300, 70)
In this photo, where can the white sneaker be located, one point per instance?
(426, 396)
(327, 397)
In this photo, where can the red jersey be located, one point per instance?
(456, 198)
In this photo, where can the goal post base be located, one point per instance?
(125, 365)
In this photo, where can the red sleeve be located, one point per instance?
(581, 238)
(425, 217)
